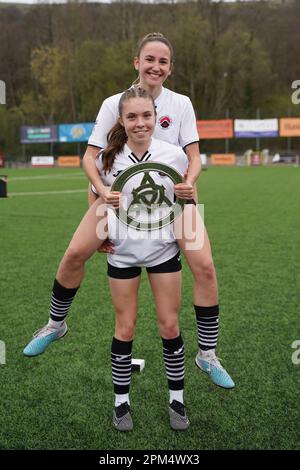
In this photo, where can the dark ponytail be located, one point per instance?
(117, 138)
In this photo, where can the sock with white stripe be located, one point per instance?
(122, 398)
(173, 353)
(61, 301)
(207, 326)
(121, 369)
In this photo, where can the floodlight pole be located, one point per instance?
(257, 138)
(289, 139)
(227, 140)
(20, 112)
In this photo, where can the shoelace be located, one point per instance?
(43, 330)
(38, 332)
(215, 361)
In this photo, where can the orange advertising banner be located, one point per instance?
(289, 127)
(223, 159)
(221, 129)
(70, 161)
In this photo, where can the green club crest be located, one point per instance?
(149, 196)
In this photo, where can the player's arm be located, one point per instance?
(106, 118)
(195, 166)
(189, 140)
(188, 189)
(88, 161)
(91, 171)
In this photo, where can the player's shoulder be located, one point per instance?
(169, 154)
(161, 145)
(113, 100)
(175, 97)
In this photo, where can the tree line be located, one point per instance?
(60, 61)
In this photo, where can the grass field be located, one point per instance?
(64, 398)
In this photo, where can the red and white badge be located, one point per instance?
(165, 122)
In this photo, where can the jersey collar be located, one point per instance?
(134, 158)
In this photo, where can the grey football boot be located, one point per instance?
(178, 418)
(122, 418)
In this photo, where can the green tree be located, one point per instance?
(192, 58)
(244, 78)
(48, 100)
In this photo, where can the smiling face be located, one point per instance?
(138, 119)
(153, 64)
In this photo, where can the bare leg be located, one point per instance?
(92, 197)
(206, 302)
(166, 288)
(124, 293)
(88, 237)
(200, 260)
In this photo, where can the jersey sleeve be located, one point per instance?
(188, 132)
(105, 120)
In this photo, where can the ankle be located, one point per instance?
(209, 352)
(55, 324)
(176, 395)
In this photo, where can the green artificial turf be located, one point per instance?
(64, 398)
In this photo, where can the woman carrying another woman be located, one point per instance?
(176, 124)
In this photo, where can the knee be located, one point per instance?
(205, 270)
(169, 329)
(125, 332)
(74, 256)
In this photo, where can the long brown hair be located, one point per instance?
(152, 37)
(117, 138)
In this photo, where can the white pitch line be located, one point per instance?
(44, 193)
(45, 177)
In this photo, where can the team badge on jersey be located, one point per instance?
(165, 122)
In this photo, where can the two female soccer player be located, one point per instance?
(175, 124)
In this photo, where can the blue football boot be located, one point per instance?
(210, 364)
(42, 338)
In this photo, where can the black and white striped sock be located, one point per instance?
(121, 369)
(207, 326)
(61, 301)
(173, 353)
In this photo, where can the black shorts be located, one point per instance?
(191, 201)
(94, 191)
(173, 265)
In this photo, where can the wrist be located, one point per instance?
(190, 180)
(100, 189)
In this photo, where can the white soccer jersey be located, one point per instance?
(176, 121)
(134, 247)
